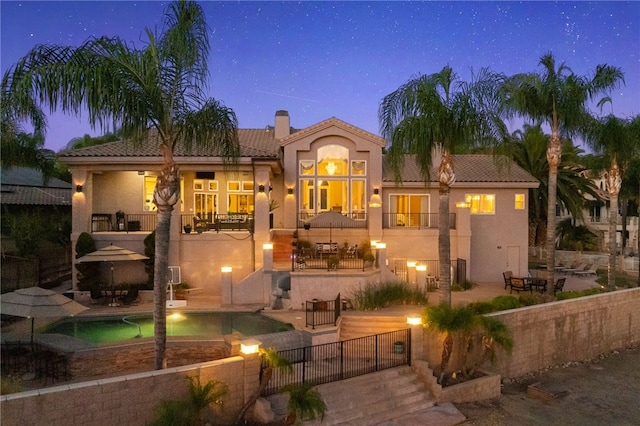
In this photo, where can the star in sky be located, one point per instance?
(323, 59)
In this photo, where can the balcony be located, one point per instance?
(415, 220)
(107, 222)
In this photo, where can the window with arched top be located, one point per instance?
(332, 182)
(333, 160)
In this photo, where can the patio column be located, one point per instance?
(261, 232)
(267, 257)
(421, 276)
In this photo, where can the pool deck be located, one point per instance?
(198, 301)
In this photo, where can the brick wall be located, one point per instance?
(558, 332)
(129, 400)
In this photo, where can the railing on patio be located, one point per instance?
(326, 220)
(217, 222)
(309, 258)
(331, 362)
(433, 269)
(107, 222)
(415, 220)
(322, 312)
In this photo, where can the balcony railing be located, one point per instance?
(107, 222)
(335, 220)
(218, 222)
(415, 220)
(310, 258)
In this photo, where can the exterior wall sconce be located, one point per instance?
(290, 190)
(250, 346)
(78, 188)
(375, 200)
(261, 189)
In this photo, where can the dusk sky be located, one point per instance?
(339, 59)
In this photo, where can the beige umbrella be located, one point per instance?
(111, 254)
(36, 302)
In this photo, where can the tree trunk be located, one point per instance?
(165, 196)
(614, 182)
(554, 155)
(446, 178)
(264, 382)
(447, 347)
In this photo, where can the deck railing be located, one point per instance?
(304, 258)
(433, 269)
(130, 222)
(322, 312)
(335, 221)
(415, 220)
(331, 362)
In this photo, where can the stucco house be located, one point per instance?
(328, 184)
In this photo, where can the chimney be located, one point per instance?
(282, 124)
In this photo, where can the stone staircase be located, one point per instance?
(357, 324)
(388, 397)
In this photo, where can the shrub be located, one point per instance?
(529, 299)
(10, 384)
(564, 295)
(376, 296)
(87, 272)
(481, 308)
(304, 244)
(504, 303)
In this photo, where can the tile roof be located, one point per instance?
(24, 186)
(254, 143)
(468, 168)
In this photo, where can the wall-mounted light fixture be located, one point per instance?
(78, 188)
(267, 246)
(290, 190)
(261, 189)
(375, 200)
(226, 269)
(414, 320)
(141, 172)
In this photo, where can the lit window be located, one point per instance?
(307, 167)
(519, 202)
(213, 185)
(233, 185)
(481, 203)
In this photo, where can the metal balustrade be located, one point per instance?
(331, 362)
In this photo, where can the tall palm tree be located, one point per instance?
(615, 140)
(528, 150)
(556, 97)
(439, 114)
(160, 87)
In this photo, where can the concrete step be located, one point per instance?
(374, 398)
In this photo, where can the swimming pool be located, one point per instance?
(122, 328)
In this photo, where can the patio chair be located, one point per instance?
(559, 286)
(98, 296)
(130, 298)
(591, 271)
(507, 278)
(519, 284)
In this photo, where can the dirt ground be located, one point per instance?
(603, 391)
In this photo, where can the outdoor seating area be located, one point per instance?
(530, 283)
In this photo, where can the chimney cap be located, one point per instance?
(282, 113)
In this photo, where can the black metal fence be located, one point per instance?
(322, 312)
(323, 221)
(217, 222)
(106, 222)
(314, 259)
(331, 362)
(415, 220)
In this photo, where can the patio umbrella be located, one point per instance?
(111, 254)
(36, 302)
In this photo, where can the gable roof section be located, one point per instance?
(470, 168)
(332, 122)
(24, 186)
(254, 143)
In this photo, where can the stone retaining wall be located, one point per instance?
(130, 400)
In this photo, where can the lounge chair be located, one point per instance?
(559, 286)
(507, 278)
(591, 271)
(579, 268)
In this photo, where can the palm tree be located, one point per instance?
(160, 87)
(434, 115)
(528, 150)
(271, 360)
(615, 140)
(305, 403)
(556, 97)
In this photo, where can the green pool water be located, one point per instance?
(115, 329)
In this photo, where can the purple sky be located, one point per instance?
(339, 59)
